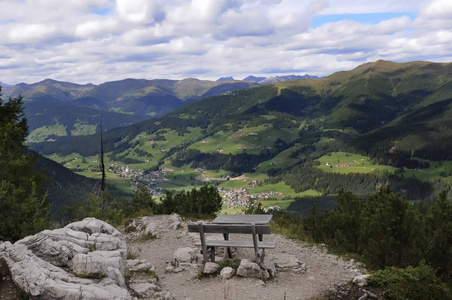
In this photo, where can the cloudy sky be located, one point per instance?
(95, 41)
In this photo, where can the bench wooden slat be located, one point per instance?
(242, 219)
(239, 229)
(237, 244)
(226, 229)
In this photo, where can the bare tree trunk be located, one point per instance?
(102, 165)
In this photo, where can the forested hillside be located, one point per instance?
(395, 116)
(57, 109)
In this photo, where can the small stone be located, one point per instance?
(227, 272)
(210, 268)
(361, 280)
(249, 269)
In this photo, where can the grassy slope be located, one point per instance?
(374, 98)
(344, 163)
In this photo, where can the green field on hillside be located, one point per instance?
(437, 169)
(111, 178)
(280, 161)
(83, 128)
(283, 188)
(234, 184)
(344, 163)
(41, 134)
(248, 139)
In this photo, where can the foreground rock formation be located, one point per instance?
(84, 260)
(88, 260)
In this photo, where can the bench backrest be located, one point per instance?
(230, 228)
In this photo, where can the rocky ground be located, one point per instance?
(324, 272)
(8, 289)
(154, 240)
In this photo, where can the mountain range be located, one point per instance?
(265, 80)
(382, 123)
(62, 109)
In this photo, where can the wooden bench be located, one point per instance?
(256, 231)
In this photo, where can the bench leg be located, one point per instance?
(228, 249)
(261, 254)
(212, 254)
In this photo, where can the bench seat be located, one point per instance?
(237, 244)
(256, 242)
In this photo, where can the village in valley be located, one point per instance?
(233, 198)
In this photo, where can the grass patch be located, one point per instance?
(233, 184)
(437, 169)
(283, 188)
(121, 183)
(83, 128)
(229, 263)
(345, 163)
(42, 134)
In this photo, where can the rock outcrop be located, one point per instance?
(84, 260)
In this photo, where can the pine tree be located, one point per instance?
(23, 204)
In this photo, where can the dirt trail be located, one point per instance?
(324, 271)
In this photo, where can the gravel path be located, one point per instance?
(324, 271)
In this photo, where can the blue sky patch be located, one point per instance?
(102, 11)
(373, 18)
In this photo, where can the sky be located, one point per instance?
(95, 41)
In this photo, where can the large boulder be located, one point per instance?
(84, 260)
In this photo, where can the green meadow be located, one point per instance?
(437, 169)
(41, 134)
(344, 163)
(111, 178)
(230, 142)
(280, 161)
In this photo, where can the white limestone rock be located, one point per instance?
(287, 262)
(210, 268)
(144, 288)
(361, 280)
(42, 265)
(248, 268)
(227, 273)
(184, 256)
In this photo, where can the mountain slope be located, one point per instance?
(363, 99)
(60, 109)
(393, 114)
(52, 120)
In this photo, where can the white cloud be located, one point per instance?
(99, 40)
(137, 11)
(438, 8)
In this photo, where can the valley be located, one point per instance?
(297, 140)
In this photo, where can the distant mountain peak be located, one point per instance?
(229, 78)
(252, 78)
(4, 85)
(287, 78)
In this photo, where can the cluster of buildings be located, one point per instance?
(139, 179)
(240, 197)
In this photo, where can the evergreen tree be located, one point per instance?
(439, 233)
(390, 230)
(24, 207)
(344, 222)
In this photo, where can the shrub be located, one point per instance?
(410, 283)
